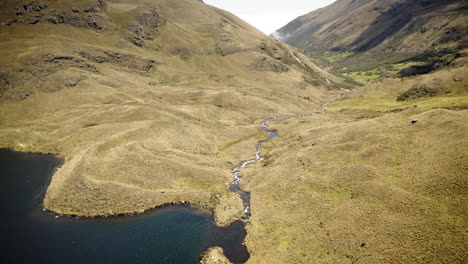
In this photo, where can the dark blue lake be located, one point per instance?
(173, 234)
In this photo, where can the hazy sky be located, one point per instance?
(269, 15)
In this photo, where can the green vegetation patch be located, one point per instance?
(366, 75)
(185, 57)
(332, 56)
(362, 62)
(389, 104)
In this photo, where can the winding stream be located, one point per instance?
(235, 184)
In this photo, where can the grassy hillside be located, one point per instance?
(155, 101)
(149, 102)
(368, 39)
(362, 187)
(393, 25)
(380, 178)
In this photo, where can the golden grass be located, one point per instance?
(389, 103)
(135, 138)
(359, 184)
(362, 184)
(340, 189)
(381, 96)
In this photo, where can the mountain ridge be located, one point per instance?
(395, 25)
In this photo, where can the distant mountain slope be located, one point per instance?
(394, 25)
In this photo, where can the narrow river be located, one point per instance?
(235, 186)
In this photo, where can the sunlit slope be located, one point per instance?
(150, 102)
(380, 178)
(363, 187)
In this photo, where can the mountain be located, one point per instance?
(367, 40)
(154, 102)
(380, 25)
(149, 102)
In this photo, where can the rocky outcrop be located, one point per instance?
(128, 61)
(37, 12)
(97, 7)
(145, 27)
(91, 21)
(265, 64)
(272, 51)
(46, 72)
(30, 7)
(50, 72)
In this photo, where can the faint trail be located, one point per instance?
(235, 185)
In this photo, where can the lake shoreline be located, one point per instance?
(57, 213)
(34, 183)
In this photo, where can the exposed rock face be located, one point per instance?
(48, 68)
(64, 61)
(86, 18)
(129, 61)
(91, 21)
(265, 63)
(145, 27)
(30, 7)
(271, 51)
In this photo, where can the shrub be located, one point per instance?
(185, 57)
(417, 70)
(417, 91)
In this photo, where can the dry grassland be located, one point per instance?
(165, 122)
(365, 185)
(140, 127)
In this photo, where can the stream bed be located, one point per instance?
(235, 185)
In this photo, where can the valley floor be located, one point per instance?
(350, 187)
(371, 181)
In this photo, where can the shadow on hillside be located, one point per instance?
(392, 21)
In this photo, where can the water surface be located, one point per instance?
(173, 234)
